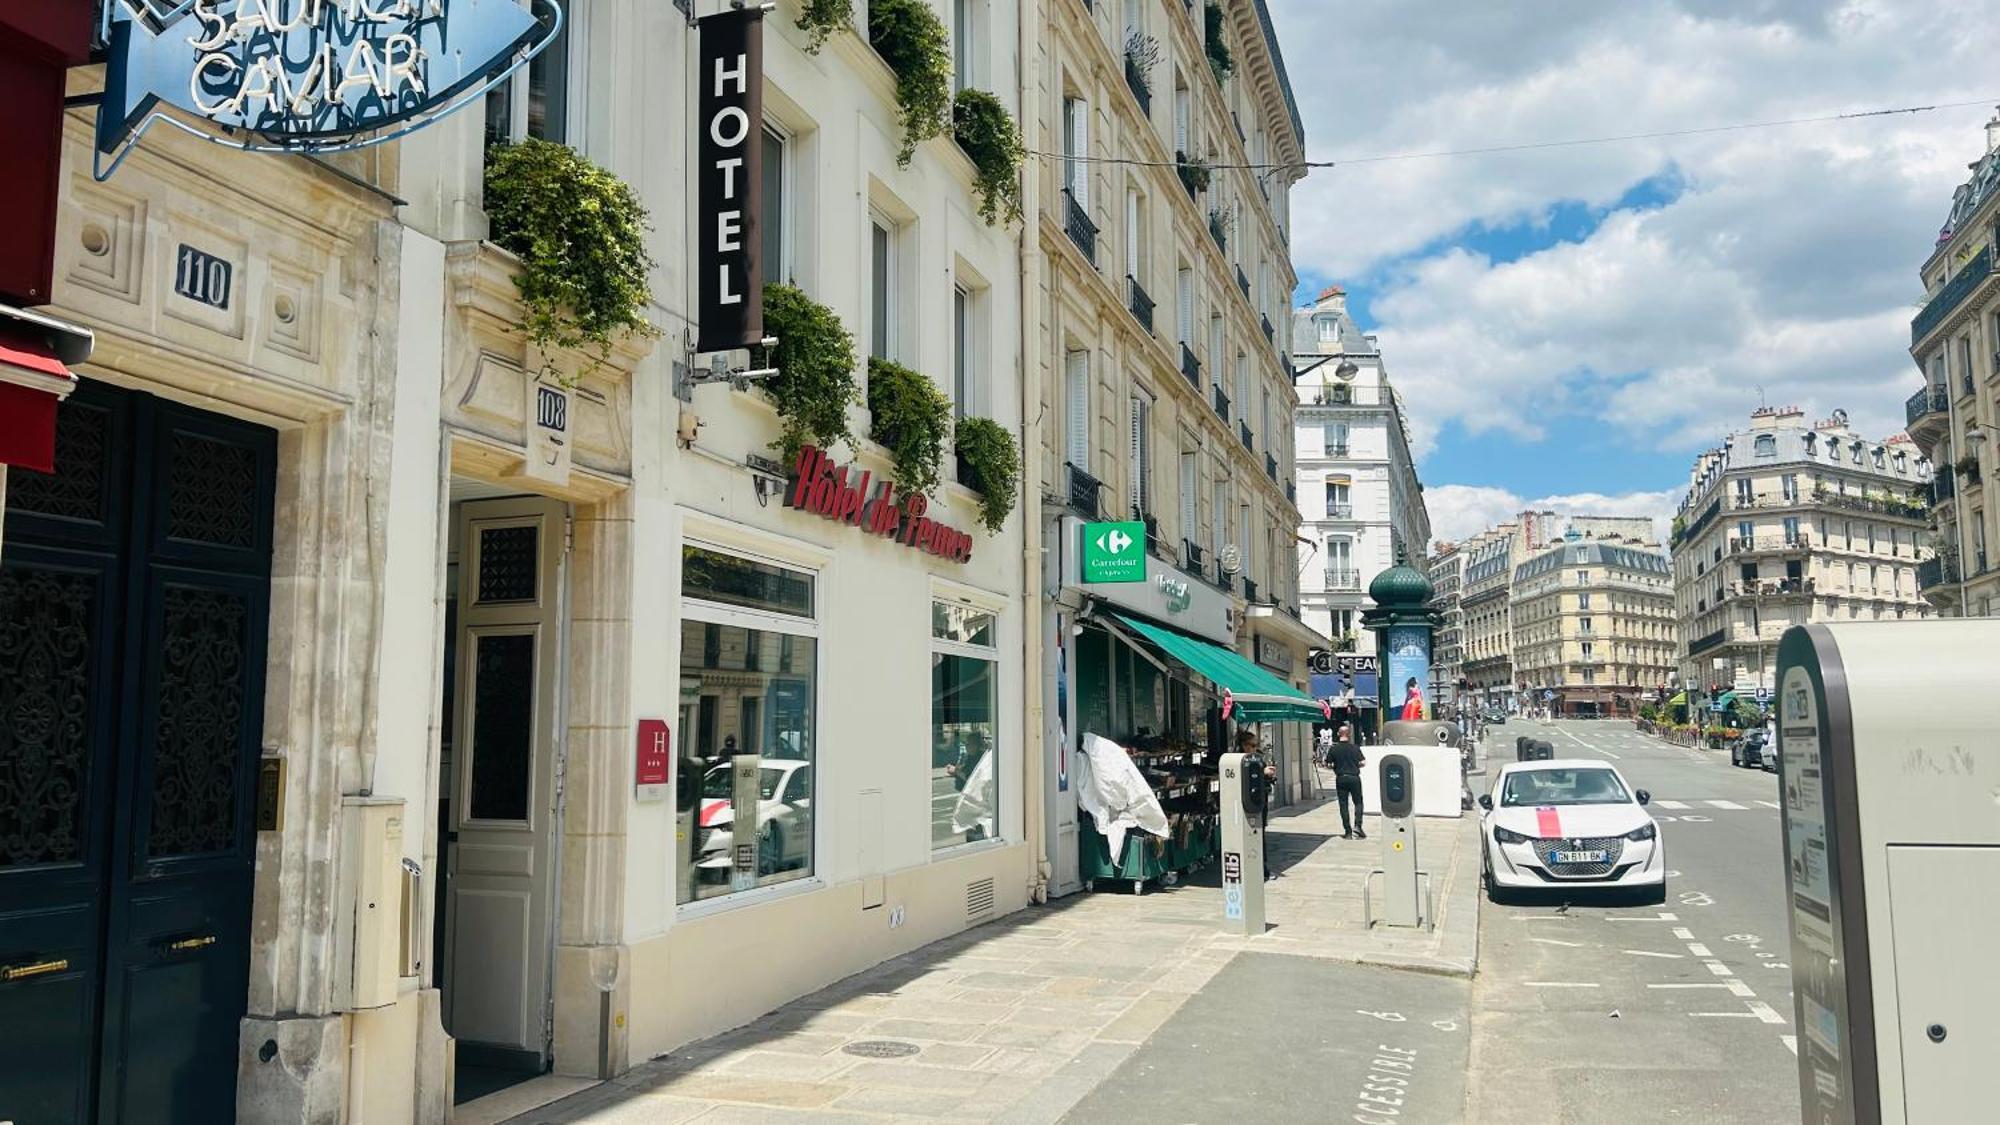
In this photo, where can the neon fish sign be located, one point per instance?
(305, 75)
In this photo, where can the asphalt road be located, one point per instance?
(1606, 1011)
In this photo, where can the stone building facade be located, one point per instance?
(1593, 626)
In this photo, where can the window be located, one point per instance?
(1247, 542)
(1190, 493)
(1743, 494)
(1749, 572)
(1329, 329)
(1184, 306)
(1076, 398)
(1812, 443)
(1135, 228)
(1339, 505)
(1745, 530)
(1871, 538)
(963, 42)
(1183, 116)
(1792, 530)
(775, 230)
(1790, 483)
(1264, 419)
(1218, 518)
(965, 779)
(881, 288)
(749, 667)
(1964, 366)
(1242, 385)
(1879, 455)
(1583, 578)
(1215, 349)
(1583, 625)
(534, 102)
(1583, 602)
(1076, 150)
(1140, 468)
(1335, 435)
(1856, 448)
(1767, 445)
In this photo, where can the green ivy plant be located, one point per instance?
(913, 41)
(819, 19)
(580, 234)
(815, 361)
(986, 131)
(910, 417)
(991, 467)
(1220, 62)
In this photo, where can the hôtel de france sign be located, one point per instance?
(840, 493)
(310, 76)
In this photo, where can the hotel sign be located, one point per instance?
(730, 182)
(841, 493)
(304, 75)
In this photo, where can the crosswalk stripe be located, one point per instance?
(1672, 804)
(1725, 805)
(1771, 804)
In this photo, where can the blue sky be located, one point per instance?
(1571, 323)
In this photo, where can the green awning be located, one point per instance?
(1255, 696)
(1680, 699)
(1725, 701)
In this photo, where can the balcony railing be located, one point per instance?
(1243, 431)
(1341, 511)
(1776, 544)
(1874, 505)
(1270, 466)
(1221, 403)
(1191, 551)
(1249, 591)
(1944, 487)
(1291, 492)
(1777, 588)
(1930, 400)
(1136, 79)
(1343, 578)
(1712, 640)
(1083, 492)
(1939, 571)
(1082, 231)
(1270, 333)
(1242, 283)
(1216, 232)
(1224, 582)
(1140, 303)
(1954, 292)
(1336, 449)
(1191, 367)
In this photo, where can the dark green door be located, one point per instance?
(134, 586)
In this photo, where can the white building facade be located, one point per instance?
(1359, 496)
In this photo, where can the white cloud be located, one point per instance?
(1783, 272)
(1459, 511)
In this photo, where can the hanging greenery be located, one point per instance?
(819, 19)
(580, 234)
(1220, 62)
(986, 131)
(1193, 170)
(989, 464)
(815, 361)
(1142, 52)
(913, 41)
(910, 416)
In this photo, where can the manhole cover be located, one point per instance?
(881, 1049)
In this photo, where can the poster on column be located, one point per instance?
(1409, 668)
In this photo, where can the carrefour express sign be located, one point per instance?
(305, 75)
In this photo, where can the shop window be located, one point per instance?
(534, 102)
(748, 688)
(965, 772)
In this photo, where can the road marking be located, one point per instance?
(1719, 969)
(1641, 918)
(1771, 804)
(1557, 941)
(1725, 805)
(1717, 984)
(1698, 949)
(1683, 933)
(1672, 804)
(1791, 1043)
(1765, 1012)
(1558, 984)
(1586, 745)
(1650, 953)
(1726, 1015)
(1740, 989)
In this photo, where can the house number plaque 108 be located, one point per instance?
(202, 277)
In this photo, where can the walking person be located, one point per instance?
(1347, 763)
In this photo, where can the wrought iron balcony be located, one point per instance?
(1224, 582)
(1270, 466)
(1796, 543)
(1082, 231)
(1944, 486)
(1083, 492)
(1939, 571)
(1270, 333)
(1242, 283)
(1190, 367)
(1140, 304)
(1243, 431)
(1136, 79)
(1336, 449)
(1952, 295)
(1221, 403)
(1930, 400)
(1216, 232)
(1339, 511)
(1291, 492)
(1343, 578)
(1249, 591)
(1191, 551)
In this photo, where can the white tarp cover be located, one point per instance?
(1115, 794)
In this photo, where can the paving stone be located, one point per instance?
(914, 1076)
(926, 1029)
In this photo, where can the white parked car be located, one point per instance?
(784, 819)
(1572, 824)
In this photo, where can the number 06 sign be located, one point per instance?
(305, 75)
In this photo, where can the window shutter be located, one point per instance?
(1077, 431)
(1132, 232)
(1081, 189)
(1135, 470)
(1190, 481)
(1184, 304)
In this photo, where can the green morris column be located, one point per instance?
(1403, 623)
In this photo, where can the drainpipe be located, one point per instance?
(1029, 505)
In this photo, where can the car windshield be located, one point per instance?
(717, 783)
(1563, 787)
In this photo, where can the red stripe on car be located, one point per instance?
(1548, 822)
(710, 810)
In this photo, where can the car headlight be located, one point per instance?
(1644, 832)
(1504, 836)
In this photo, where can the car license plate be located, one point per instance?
(1582, 857)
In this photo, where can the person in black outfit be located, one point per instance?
(1347, 763)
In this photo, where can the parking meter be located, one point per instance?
(1243, 797)
(1892, 859)
(1399, 842)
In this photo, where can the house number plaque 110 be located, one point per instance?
(202, 277)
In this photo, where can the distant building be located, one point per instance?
(1447, 574)
(1593, 626)
(1486, 641)
(1955, 340)
(1786, 524)
(1359, 497)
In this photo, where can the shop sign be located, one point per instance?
(653, 759)
(304, 75)
(730, 284)
(1274, 656)
(1162, 591)
(841, 493)
(1114, 552)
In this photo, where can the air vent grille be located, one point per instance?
(979, 898)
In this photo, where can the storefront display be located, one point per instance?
(964, 784)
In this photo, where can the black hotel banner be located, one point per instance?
(730, 272)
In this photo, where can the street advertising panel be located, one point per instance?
(1409, 653)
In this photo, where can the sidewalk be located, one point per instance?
(1021, 1019)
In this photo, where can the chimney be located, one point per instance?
(1333, 296)
(1993, 132)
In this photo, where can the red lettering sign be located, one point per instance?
(655, 753)
(841, 493)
